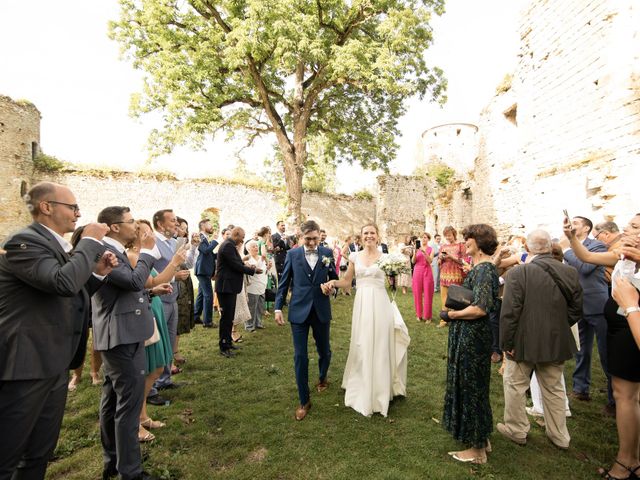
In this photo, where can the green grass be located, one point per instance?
(233, 419)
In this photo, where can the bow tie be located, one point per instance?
(311, 252)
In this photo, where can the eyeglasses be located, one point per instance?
(72, 206)
(599, 233)
(130, 221)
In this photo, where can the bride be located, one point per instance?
(376, 369)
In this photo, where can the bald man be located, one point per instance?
(43, 307)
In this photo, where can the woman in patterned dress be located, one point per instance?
(467, 411)
(451, 260)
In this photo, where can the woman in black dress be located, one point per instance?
(467, 411)
(623, 354)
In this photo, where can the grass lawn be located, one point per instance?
(233, 419)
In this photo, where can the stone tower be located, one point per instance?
(19, 145)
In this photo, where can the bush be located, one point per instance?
(48, 163)
(441, 173)
(363, 195)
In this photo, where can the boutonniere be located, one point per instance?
(326, 261)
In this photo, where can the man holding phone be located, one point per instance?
(593, 323)
(165, 224)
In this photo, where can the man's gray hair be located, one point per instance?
(610, 227)
(539, 241)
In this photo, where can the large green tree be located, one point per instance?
(295, 69)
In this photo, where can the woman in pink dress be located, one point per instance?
(422, 284)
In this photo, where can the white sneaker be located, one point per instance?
(533, 413)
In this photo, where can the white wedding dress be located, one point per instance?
(376, 369)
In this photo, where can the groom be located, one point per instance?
(305, 270)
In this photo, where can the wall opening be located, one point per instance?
(34, 150)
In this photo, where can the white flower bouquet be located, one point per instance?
(393, 264)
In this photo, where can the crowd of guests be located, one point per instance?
(531, 304)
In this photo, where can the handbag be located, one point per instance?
(270, 293)
(458, 297)
(155, 338)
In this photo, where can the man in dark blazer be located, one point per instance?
(42, 305)
(596, 293)
(230, 272)
(205, 270)
(122, 321)
(542, 300)
(281, 245)
(305, 270)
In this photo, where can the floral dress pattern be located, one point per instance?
(467, 411)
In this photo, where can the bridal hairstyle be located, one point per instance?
(370, 225)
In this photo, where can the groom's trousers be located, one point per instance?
(300, 333)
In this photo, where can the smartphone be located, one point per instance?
(566, 214)
(180, 243)
(418, 244)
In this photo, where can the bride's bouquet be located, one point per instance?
(393, 264)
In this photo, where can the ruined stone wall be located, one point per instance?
(400, 206)
(577, 90)
(19, 141)
(248, 207)
(567, 132)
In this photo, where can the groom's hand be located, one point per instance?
(279, 318)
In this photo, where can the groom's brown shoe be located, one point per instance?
(322, 385)
(302, 411)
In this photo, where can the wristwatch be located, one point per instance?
(630, 310)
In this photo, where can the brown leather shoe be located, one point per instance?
(302, 411)
(322, 385)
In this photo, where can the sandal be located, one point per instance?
(146, 437)
(149, 423)
(175, 370)
(632, 472)
(239, 339)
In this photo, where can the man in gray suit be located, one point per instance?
(593, 323)
(122, 321)
(542, 300)
(40, 283)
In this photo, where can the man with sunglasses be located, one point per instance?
(42, 300)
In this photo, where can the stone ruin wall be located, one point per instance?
(19, 140)
(400, 206)
(250, 208)
(567, 133)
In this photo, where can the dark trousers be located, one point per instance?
(120, 407)
(227, 302)
(588, 327)
(300, 333)
(31, 414)
(204, 300)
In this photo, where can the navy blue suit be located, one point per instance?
(308, 308)
(595, 295)
(204, 270)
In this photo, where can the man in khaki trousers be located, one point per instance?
(542, 300)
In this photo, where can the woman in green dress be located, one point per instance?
(158, 354)
(467, 411)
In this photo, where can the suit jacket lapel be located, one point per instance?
(55, 245)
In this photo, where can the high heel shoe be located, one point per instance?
(632, 472)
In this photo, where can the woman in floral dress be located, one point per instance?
(467, 411)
